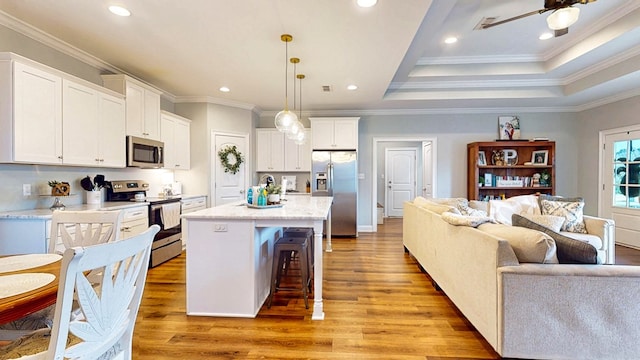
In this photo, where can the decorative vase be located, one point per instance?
(94, 197)
(273, 199)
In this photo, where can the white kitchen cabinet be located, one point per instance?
(93, 126)
(334, 133)
(143, 105)
(269, 150)
(175, 133)
(30, 112)
(188, 206)
(135, 221)
(297, 157)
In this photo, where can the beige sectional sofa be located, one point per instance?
(527, 310)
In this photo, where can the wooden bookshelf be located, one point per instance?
(516, 177)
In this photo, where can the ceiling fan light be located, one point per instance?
(284, 119)
(563, 18)
(366, 3)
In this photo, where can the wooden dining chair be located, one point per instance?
(105, 329)
(83, 228)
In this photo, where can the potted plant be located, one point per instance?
(273, 194)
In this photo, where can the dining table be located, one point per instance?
(28, 283)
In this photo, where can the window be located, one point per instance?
(626, 174)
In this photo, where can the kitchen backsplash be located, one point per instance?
(13, 176)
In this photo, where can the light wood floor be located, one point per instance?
(377, 302)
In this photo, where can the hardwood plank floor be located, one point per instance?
(378, 305)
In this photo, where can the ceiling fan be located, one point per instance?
(563, 15)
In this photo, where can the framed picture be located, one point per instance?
(540, 157)
(482, 159)
(509, 127)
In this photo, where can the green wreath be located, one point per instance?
(229, 167)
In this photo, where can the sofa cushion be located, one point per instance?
(432, 206)
(528, 245)
(569, 251)
(462, 205)
(465, 220)
(551, 221)
(570, 210)
(501, 210)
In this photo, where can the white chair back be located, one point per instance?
(109, 311)
(84, 228)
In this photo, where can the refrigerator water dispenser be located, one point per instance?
(321, 181)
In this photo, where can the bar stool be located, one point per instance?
(283, 248)
(302, 232)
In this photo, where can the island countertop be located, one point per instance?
(294, 207)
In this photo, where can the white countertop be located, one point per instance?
(295, 207)
(45, 214)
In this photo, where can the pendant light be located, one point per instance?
(296, 127)
(301, 136)
(285, 118)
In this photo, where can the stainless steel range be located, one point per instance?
(164, 212)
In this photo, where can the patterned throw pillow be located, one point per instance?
(549, 221)
(571, 211)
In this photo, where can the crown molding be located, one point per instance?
(603, 65)
(217, 101)
(417, 85)
(608, 100)
(480, 59)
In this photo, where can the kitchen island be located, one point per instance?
(230, 250)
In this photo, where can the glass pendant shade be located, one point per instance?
(300, 138)
(563, 18)
(285, 119)
(295, 129)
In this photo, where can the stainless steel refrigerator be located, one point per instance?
(335, 173)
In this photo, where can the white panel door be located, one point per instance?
(621, 200)
(400, 164)
(229, 187)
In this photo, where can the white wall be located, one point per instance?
(590, 123)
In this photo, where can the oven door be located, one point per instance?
(167, 243)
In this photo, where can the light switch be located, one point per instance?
(26, 189)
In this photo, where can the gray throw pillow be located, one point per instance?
(569, 251)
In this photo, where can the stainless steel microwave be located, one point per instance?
(144, 153)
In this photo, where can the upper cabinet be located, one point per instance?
(297, 157)
(340, 133)
(143, 105)
(93, 126)
(175, 131)
(269, 150)
(49, 117)
(31, 114)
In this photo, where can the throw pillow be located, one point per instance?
(528, 245)
(569, 251)
(571, 211)
(501, 210)
(551, 221)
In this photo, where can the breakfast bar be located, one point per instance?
(230, 250)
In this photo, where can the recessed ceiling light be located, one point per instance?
(545, 36)
(451, 40)
(225, 89)
(352, 87)
(119, 10)
(366, 3)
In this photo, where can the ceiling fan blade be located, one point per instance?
(486, 26)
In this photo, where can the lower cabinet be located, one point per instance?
(189, 206)
(24, 236)
(32, 235)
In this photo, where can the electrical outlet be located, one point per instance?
(26, 189)
(219, 227)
